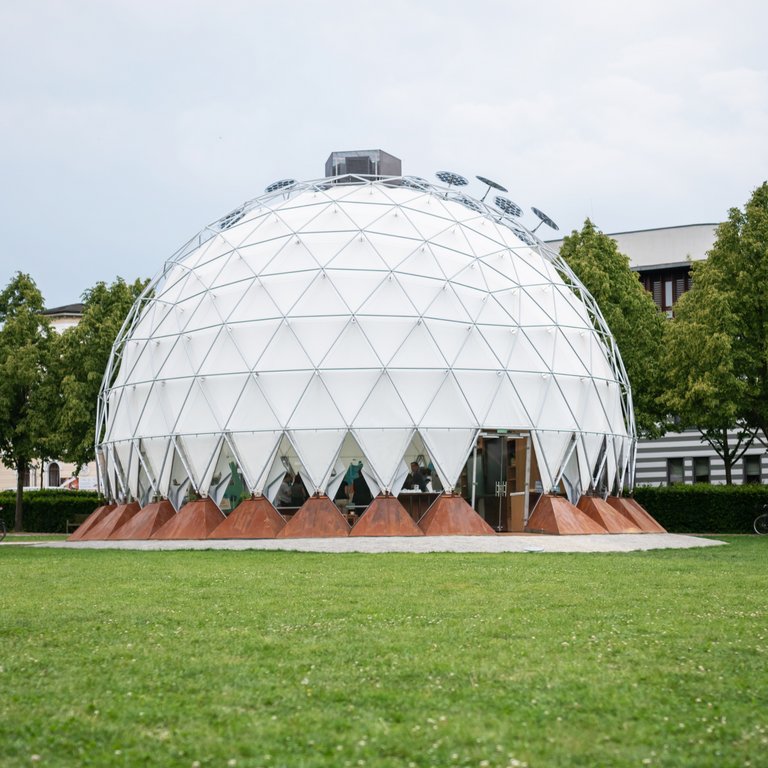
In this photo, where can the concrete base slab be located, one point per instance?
(318, 517)
(93, 519)
(195, 520)
(251, 519)
(112, 522)
(604, 514)
(632, 510)
(451, 516)
(146, 522)
(556, 515)
(386, 516)
(529, 545)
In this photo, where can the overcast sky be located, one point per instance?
(125, 127)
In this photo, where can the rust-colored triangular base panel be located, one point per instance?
(556, 515)
(112, 522)
(92, 520)
(604, 514)
(195, 520)
(386, 516)
(634, 512)
(317, 518)
(251, 519)
(451, 516)
(145, 523)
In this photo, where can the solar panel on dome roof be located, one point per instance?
(468, 202)
(451, 179)
(544, 219)
(521, 233)
(506, 205)
(415, 182)
(492, 184)
(232, 218)
(275, 185)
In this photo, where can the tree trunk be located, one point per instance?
(18, 524)
(727, 459)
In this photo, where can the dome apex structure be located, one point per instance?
(372, 321)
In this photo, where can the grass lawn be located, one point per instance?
(293, 659)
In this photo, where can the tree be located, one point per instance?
(26, 350)
(717, 346)
(631, 314)
(85, 352)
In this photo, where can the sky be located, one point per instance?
(127, 126)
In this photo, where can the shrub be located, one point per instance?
(704, 508)
(47, 511)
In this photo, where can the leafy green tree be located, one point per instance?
(717, 346)
(84, 356)
(26, 351)
(631, 314)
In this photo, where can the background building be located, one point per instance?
(662, 258)
(54, 473)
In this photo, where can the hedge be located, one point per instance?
(47, 511)
(698, 508)
(704, 508)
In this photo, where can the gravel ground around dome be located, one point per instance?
(417, 544)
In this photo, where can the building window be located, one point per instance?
(666, 286)
(27, 477)
(752, 472)
(701, 469)
(675, 473)
(54, 476)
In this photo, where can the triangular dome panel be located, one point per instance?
(283, 391)
(449, 408)
(255, 452)
(550, 450)
(389, 294)
(317, 449)
(417, 351)
(200, 452)
(286, 289)
(449, 450)
(394, 251)
(383, 448)
(386, 334)
(351, 349)
(284, 352)
(316, 409)
(350, 389)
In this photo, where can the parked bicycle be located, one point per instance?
(761, 522)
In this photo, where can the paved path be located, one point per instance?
(626, 542)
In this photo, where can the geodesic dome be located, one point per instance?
(360, 320)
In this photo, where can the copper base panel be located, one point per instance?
(120, 515)
(634, 512)
(195, 520)
(451, 516)
(386, 516)
(317, 518)
(145, 523)
(604, 514)
(556, 515)
(251, 519)
(93, 519)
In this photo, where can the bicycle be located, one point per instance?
(761, 522)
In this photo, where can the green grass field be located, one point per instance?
(287, 659)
